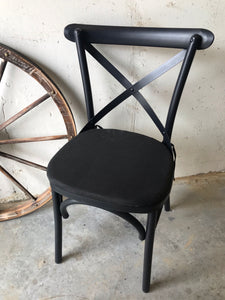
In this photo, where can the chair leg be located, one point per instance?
(57, 199)
(149, 240)
(167, 204)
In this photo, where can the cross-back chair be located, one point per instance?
(115, 170)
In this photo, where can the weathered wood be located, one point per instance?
(17, 183)
(24, 207)
(10, 56)
(34, 71)
(23, 161)
(23, 111)
(2, 68)
(33, 139)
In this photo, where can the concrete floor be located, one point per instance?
(103, 256)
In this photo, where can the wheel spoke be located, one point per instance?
(23, 161)
(24, 111)
(34, 139)
(16, 182)
(2, 68)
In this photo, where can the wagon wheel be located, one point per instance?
(31, 131)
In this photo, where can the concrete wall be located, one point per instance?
(36, 29)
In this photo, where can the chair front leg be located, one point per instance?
(149, 240)
(57, 199)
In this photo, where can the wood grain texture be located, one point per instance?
(33, 139)
(23, 111)
(23, 161)
(8, 55)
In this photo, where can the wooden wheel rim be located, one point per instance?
(20, 61)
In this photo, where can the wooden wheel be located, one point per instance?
(35, 121)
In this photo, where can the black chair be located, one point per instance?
(116, 170)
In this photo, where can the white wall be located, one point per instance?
(36, 29)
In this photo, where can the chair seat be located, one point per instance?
(114, 170)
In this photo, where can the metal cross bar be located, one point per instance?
(127, 84)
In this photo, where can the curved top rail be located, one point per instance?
(140, 36)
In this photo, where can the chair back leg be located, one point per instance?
(149, 240)
(167, 204)
(57, 199)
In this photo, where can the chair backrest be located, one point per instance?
(187, 39)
